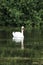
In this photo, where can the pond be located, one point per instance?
(31, 38)
(33, 44)
(33, 47)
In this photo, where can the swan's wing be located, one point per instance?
(17, 34)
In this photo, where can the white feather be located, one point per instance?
(18, 36)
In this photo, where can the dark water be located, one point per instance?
(33, 45)
(32, 39)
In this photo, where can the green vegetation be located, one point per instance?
(21, 12)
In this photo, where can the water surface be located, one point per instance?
(33, 43)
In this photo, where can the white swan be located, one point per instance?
(19, 37)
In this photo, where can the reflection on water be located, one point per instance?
(19, 40)
(30, 39)
(33, 46)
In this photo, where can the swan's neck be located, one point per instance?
(22, 31)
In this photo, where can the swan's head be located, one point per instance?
(22, 28)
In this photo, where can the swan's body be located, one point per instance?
(18, 36)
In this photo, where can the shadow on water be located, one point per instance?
(33, 39)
